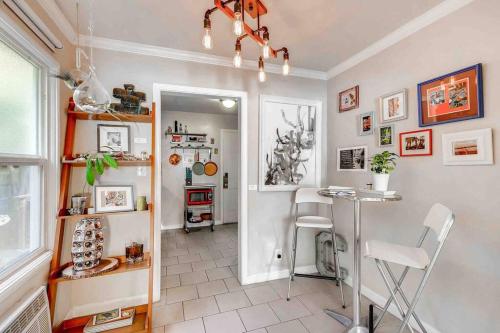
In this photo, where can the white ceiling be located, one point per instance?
(319, 34)
(195, 103)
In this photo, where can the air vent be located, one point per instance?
(32, 317)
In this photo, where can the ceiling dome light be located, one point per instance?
(228, 103)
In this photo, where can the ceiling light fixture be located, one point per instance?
(260, 35)
(228, 103)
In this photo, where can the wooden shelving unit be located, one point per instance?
(143, 316)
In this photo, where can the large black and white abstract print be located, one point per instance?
(352, 158)
(289, 143)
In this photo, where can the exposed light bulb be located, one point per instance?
(207, 39)
(266, 50)
(238, 25)
(262, 75)
(286, 67)
(237, 59)
(228, 103)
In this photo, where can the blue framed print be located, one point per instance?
(452, 97)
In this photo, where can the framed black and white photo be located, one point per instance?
(366, 122)
(290, 143)
(113, 138)
(393, 106)
(468, 148)
(352, 158)
(113, 198)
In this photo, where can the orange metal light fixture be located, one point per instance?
(255, 9)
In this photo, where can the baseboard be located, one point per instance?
(381, 300)
(87, 309)
(180, 226)
(276, 275)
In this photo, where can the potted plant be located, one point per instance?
(382, 164)
(95, 163)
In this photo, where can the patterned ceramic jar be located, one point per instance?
(88, 244)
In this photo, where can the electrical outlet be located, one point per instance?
(278, 254)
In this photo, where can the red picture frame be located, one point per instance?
(350, 97)
(415, 143)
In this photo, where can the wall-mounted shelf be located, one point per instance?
(85, 216)
(190, 147)
(186, 134)
(121, 163)
(137, 118)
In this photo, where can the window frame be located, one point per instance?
(48, 147)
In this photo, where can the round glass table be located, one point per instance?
(354, 325)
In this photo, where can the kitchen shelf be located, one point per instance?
(121, 163)
(186, 134)
(76, 325)
(137, 118)
(83, 216)
(123, 267)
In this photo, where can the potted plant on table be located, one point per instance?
(382, 164)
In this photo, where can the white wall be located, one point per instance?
(173, 177)
(463, 294)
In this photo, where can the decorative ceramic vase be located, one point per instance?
(88, 244)
(381, 181)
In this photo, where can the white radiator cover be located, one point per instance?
(32, 315)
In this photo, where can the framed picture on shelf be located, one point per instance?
(176, 138)
(468, 148)
(349, 99)
(113, 138)
(385, 134)
(113, 198)
(393, 106)
(452, 97)
(289, 143)
(415, 143)
(366, 122)
(352, 158)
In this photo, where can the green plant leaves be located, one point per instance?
(384, 162)
(89, 172)
(109, 160)
(96, 164)
(99, 166)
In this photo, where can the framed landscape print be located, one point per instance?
(289, 143)
(366, 122)
(113, 138)
(415, 143)
(349, 99)
(468, 148)
(452, 97)
(352, 158)
(113, 198)
(385, 134)
(393, 106)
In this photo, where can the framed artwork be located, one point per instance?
(452, 97)
(385, 134)
(468, 148)
(113, 138)
(415, 143)
(352, 158)
(289, 143)
(393, 106)
(366, 122)
(349, 99)
(113, 198)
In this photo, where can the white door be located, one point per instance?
(230, 155)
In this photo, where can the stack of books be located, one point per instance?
(109, 320)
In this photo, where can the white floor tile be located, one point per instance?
(227, 322)
(232, 301)
(190, 326)
(211, 288)
(179, 294)
(289, 310)
(219, 273)
(258, 316)
(191, 278)
(263, 294)
(167, 314)
(201, 307)
(294, 326)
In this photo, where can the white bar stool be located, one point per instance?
(310, 195)
(440, 220)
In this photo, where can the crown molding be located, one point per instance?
(432, 15)
(59, 19)
(190, 56)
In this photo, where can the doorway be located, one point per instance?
(229, 157)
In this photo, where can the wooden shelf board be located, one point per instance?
(138, 118)
(121, 163)
(76, 325)
(83, 216)
(123, 267)
(185, 134)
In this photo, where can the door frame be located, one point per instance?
(221, 177)
(158, 88)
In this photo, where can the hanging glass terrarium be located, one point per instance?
(91, 97)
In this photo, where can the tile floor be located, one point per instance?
(201, 294)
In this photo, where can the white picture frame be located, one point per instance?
(113, 198)
(113, 138)
(348, 159)
(468, 148)
(277, 115)
(364, 120)
(393, 106)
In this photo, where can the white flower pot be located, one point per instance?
(381, 181)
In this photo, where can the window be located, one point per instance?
(23, 157)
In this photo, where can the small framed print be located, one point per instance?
(415, 143)
(385, 134)
(113, 198)
(113, 138)
(352, 158)
(349, 99)
(452, 97)
(393, 106)
(468, 148)
(366, 122)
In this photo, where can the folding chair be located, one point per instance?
(440, 220)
